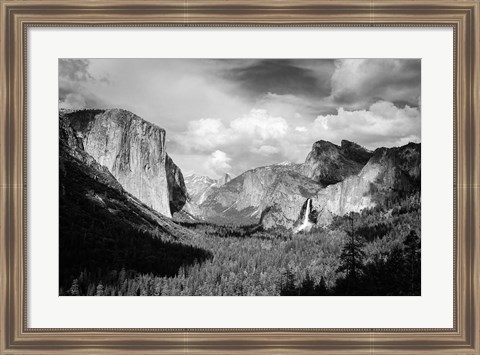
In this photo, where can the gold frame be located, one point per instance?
(17, 15)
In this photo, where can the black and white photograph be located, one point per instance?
(239, 177)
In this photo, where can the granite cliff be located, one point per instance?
(134, 151)
(87, 187)
(247, 197)
(329, 163)
(104, 229)
(388, 174)
(334, 180)
(283, 202)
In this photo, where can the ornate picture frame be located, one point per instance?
(17, 16)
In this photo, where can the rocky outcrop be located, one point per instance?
(284, 201)
(200, 187)
(223, 180)
(390, 173)
(328, 163)
(177, 191)
(351, 195)
(282, 195)
(355, 152)
(133, 150)
(86, 188)
(400, 168)
(258, 194)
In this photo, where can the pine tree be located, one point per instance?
(308, 286)
(74, 290)
(321, 288)
(99, 290)
(158, 288)
(122, 276)
(351, 259)
(412, 261)
(288, 288)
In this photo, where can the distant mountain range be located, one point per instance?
(333, 180)
(200, 187)
(246, 197)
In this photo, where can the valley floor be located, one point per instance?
(376, 252)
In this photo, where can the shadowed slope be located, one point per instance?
(104, 229)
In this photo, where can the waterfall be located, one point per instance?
(306, 224)
(307, 212)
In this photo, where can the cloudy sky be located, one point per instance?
(230, 115)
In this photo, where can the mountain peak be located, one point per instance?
(329, 163)
(322, 144)
(346, 143)
(224, 179)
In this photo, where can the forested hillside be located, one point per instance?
(104, 229)
(376, 252)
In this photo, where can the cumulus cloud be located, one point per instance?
(251, 131)
(73, 79)
(236, 114)
(73, 101)
(218, 163)
(74, 69)
(259, 124)
(259, 139)
(204, 134)
(382, 124)
(254, 139)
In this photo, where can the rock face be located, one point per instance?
(329, 163)
(102, 227)
(86, 187)
(200, 187)
(257, 193)
(223, 180)
(334, 180)
(71, 149)
(389, 173)
(177, 191)
(284, 201)
(133, 150)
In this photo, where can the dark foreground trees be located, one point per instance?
(352, 259)
(394, 274)
(381, 256)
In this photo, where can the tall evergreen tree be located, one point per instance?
(288, 288)
(412, 262)
(74, 290)
(308, 286)
(321, 288)
(99, 290)
(351, 259)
